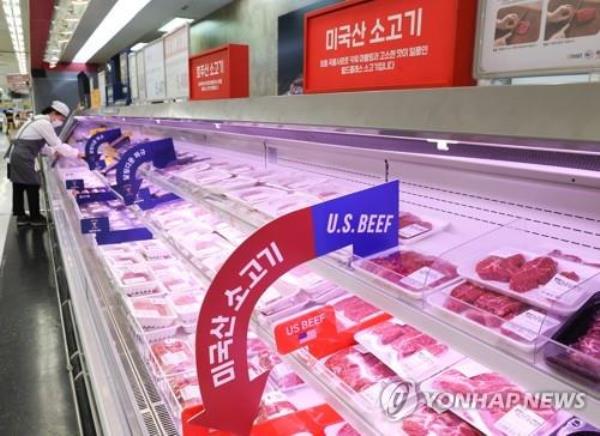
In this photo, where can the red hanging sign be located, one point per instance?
(220, 73)
(383, 44)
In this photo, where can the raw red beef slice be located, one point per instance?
(388, 331)
(467, 292)
(571, 275)
(534, 273)
(500, 305)
(499, 269)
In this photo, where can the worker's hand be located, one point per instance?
(509, 22)
(562, 13)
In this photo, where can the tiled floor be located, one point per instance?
(35, 395)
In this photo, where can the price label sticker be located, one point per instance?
(413, 230)
(422, 278)
(470, 368)
(190, 392)
(558, 287)
(529, 324)
(519, 422)
(418, 364)
(174, 359)
(147, 313)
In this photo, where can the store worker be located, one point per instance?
(39, 135)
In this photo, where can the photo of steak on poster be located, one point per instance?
(572, 19)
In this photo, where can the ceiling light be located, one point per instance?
(12, 13)
(118, 17)
(175, 23)
(66, 18)
(138, 46)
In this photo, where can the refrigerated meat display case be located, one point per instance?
(496, 272)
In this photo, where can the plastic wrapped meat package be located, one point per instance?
(154, 250)
(360, 373)
(576, 346)
(332, 188)
(152, 312)
(215, 261)
(123, 259)
(168, 267)
(351, 311)
(301, 277)
(413, 228)
(231, 167)
(177, 283)
(137, 280)
(173, 356)
(408, 272)
(185, 390)
(232, 184)
(186, 305)
(231, 233)
(495, 317)
(283, 378)
(284, 205)
(256, 195)
(205, 245)
(204, 177)
(409, 352)
(506, 410)
(552, 284)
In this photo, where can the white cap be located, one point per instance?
(61, 108)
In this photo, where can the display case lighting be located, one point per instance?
(442, 144)
(117, 18)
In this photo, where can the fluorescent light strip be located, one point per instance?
(138, 46)
(12, 12)
(118, 17)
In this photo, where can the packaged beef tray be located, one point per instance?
(410, 353)
(555, 285)
(413, 228)
(503, 406)
(360, 373)
(408, 273)
(576, 346)
(497, 318)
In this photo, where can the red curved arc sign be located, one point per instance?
(367, 220)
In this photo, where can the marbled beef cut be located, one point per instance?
(536, 272)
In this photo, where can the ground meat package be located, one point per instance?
(413, 228)
(137, 280)
(185, 390)
(576, 346)
(410, 353)
(360, 373)
(408, 273)
(152, 312)
(351, 311)
(173, 356)
(552, 284)
(497, 318)
(514, 418)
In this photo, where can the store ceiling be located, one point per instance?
(142, 28)
(8, 61)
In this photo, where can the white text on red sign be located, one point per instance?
(391, 28)
(222, 366)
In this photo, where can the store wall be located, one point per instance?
(252, 22)
(48, 86)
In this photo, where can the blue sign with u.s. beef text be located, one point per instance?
(93, 144)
